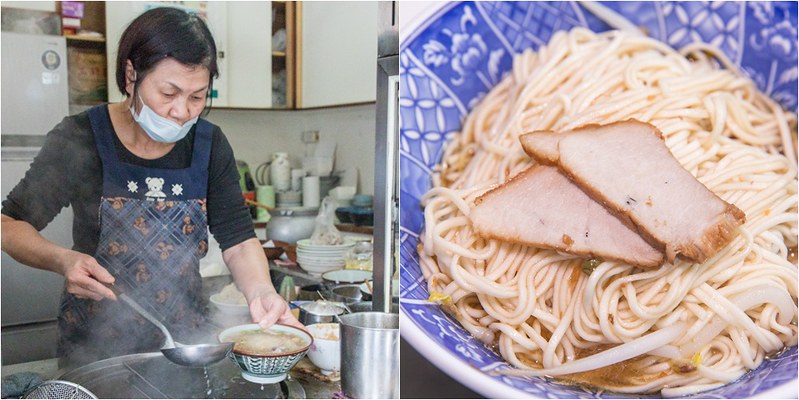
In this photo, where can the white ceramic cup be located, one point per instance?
(310, 191)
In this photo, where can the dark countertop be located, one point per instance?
(419, 379)
(314, 388)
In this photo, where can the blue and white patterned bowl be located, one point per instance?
(457, 54)
(266, 369)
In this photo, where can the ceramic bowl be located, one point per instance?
(362, 216)
(442, 79)
(229, 308)
(346, 276)
(343, 215)
(266, 369)
(274, 252)
(316, 266)
(325, 352)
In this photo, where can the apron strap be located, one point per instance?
(102, 130)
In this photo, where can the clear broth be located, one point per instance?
(265, 343)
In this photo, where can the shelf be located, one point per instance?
(278, 54)
(80, 38)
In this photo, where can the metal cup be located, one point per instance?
(309, 318)
(372, 373)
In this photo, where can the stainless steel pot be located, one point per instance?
(308, 317)
(366, 306)
(311, 292)
(347, 294)
(291, 224)
(370, 355)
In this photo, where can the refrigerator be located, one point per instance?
(34, 99)
(35, 94)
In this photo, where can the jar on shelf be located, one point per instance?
(359, 256)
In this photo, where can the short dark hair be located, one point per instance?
(165, 32)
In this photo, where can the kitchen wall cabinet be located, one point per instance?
(328, 56)
(120, 13)
(337, 53)
(249, 55)
(253, 74)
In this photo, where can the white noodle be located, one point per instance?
(537, 305)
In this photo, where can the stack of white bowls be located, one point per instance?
(319, 258)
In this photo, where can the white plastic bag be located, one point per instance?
(325, 232)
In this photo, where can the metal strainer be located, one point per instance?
(56, 389)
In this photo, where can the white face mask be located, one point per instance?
(159, 128)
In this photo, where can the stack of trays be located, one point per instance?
(316, 259)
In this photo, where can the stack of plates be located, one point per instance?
(317, 258)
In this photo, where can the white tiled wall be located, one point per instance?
(255, 135)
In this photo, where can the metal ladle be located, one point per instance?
(189, 355)
(349, 311)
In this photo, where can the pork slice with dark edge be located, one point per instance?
(627, 167)
(540, 207)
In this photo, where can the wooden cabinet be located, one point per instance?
(283, 53)
(337, 53)
(86, 58)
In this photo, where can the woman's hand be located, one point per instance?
(268, 308)
(85, 277)
(247, 263)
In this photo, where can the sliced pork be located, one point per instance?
(627, 167)
(542, 208)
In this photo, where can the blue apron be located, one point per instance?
(153, 232)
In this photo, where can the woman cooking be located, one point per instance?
(159, 176)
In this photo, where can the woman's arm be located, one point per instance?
(45, 190)
(250, 269)
(84, 275)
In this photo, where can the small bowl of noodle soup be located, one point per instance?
(266, 356)
(511, 320)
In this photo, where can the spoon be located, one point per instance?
(193, 355)
(336, 315)
(328, 301)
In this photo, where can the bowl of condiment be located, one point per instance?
(230, 301)
(266, 355)
(325, 352)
